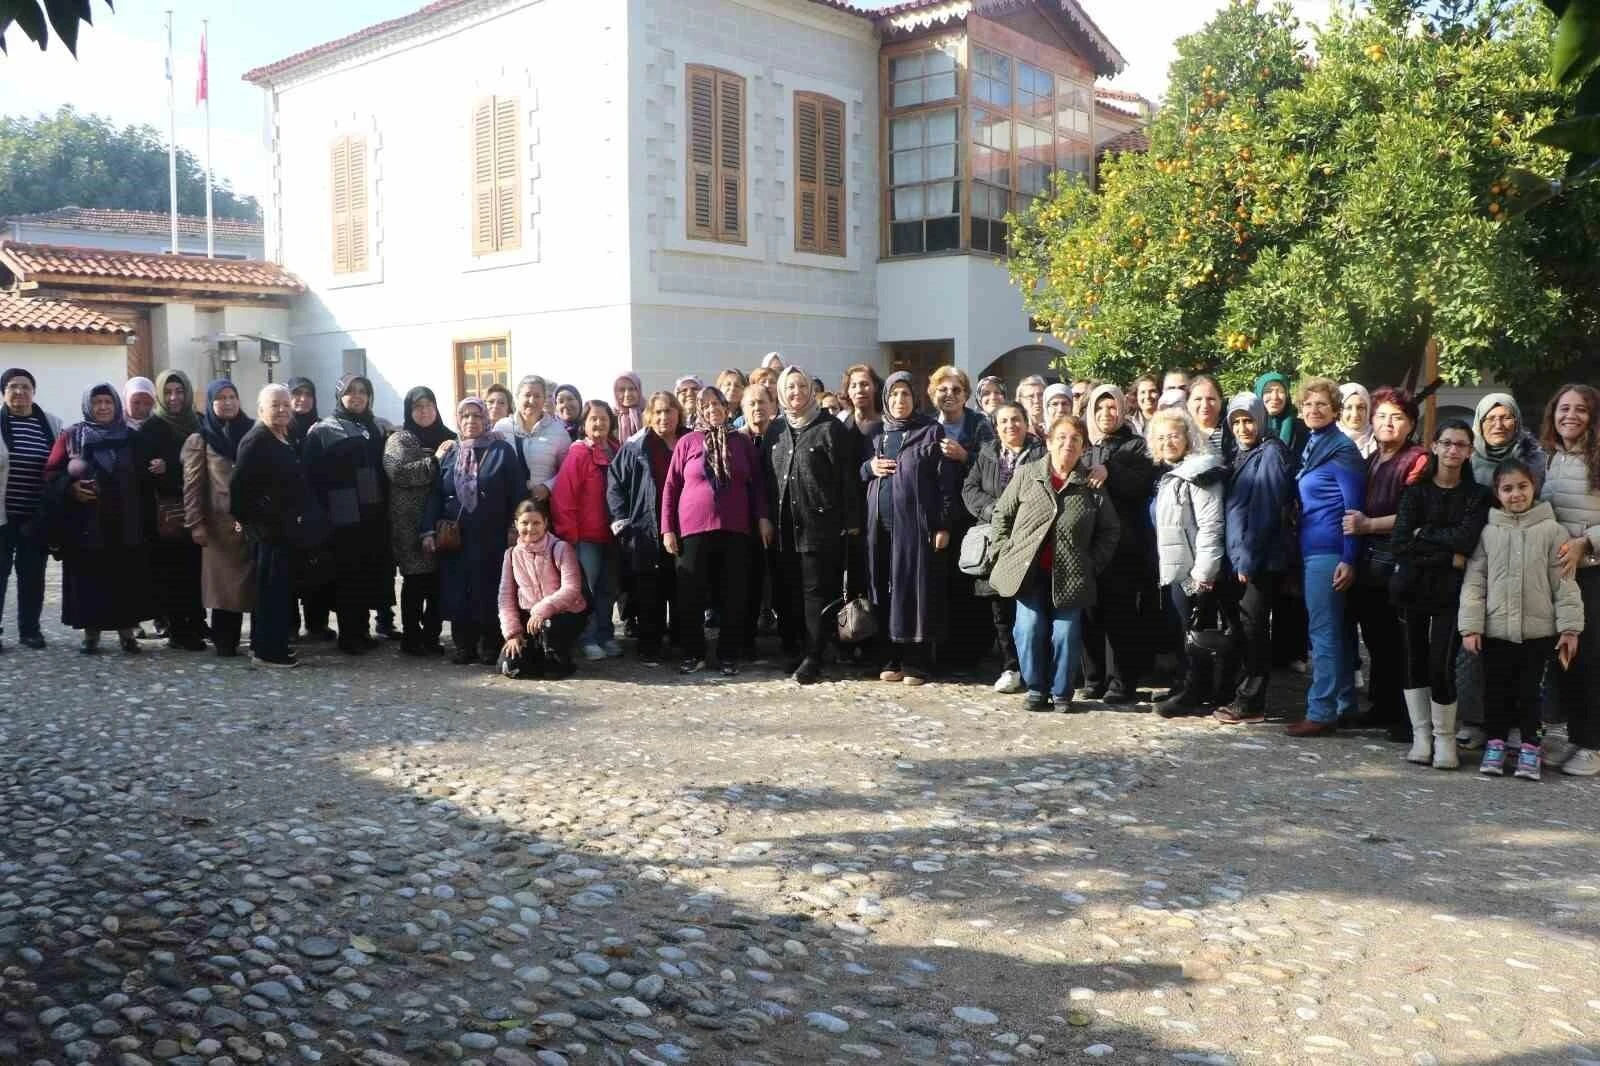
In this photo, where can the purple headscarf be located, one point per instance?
(470, 454)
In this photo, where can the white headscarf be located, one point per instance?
(1365, 443)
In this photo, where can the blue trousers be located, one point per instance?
(1333, 682)
(599, 563)
(1048, 641)
(28, 556)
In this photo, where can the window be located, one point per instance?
(922, 77)
(716, 155)
(991, 78)
(1074, 146)
(1036, 93)
(353, 361)
(925, 193)
(481, 363)
(496, 175)
(819, 174)
(349, 162)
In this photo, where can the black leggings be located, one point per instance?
(1431, 642)
(1512, 675)
(1579, 684)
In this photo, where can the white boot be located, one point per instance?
(1421, 751)
(1444, 736)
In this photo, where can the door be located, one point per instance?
(481, 363)
(921, 358)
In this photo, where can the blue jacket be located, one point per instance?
(1260, 488)
(1333, 480)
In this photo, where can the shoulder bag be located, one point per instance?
(977, 551)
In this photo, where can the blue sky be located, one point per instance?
(121, 60)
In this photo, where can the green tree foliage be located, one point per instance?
(83, 160)
(1327, 208)
(36, 17)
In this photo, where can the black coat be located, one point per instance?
(270, 494)
(1131, 477)
(344, 461)
(469, 579)
(812, 478)
(631, 496)
(1431, 528)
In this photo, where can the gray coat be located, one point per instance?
(1081, 519)
(1190, 520)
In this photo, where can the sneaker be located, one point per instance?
(1557, 752)
(287, 663)
(1528, 765)
(1494, 759)
(688, 666)
(1037, 702)
(1010, 681)
(1470, 738)
(593, 652)
(891, 675)
(1585, 762)
(613, 648)
(1067, 705)
(1238, 716)
(1300, 666)
(729, 668)
(913, 680)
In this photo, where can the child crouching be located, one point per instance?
(542, 606)
(1514, 603)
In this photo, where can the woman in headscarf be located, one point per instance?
(687, 389)
(158, 446)
(302, 409)
(1057, 402)
(912, 493)
(411, 460)
(478, 487)
(633, 498)
(991, 394)
(567, 405)
(1355, 417)
(105, 575)
(344, 459)
(628, 392)
(538, 437)
(713, 508)
(1116, 654)
(1283, 421)
(814, 495)
(227, 577)
(316, 601)
(27, 433)
(862, 390)
(138, 401)
(582, 519)
(1290, 637)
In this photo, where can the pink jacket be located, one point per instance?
(578, 498)
(543, 583)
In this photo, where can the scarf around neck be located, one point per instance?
(892, 424)
(716, 442)
(808, 414)
(185, 423)
(1497, 453)
(223, 435)
(103, 444)
(469, 456)
(629, 419)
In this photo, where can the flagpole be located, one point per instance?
(172, 141)
(205, 47)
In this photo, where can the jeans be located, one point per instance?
(1048, 639)
(599, 562)
(1333, 683)
(273, 622)
(28, 556)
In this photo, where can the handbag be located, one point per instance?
(169, 520)
(1207, 630)
(447, 536)
(855, 622)
(977, 556)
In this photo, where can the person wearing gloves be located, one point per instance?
(1189, 524)
(1260, 490)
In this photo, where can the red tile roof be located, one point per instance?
(40, 262)
(27, 315)
(1132, 141)
(105, 220)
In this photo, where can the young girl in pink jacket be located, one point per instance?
(542, 606)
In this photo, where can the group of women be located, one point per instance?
(1083, 532)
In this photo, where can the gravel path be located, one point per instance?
(385, 862)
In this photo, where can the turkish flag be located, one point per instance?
(201, 92)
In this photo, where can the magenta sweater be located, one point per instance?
(691, 504)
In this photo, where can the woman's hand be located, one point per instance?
(941, 540)
(1567, 649)
(541, 492)
(1355, 524)
(953, 450)
(158, 466)
(444, 449)
(512, 647)
(1458, 561)
(1344, 575)
(1571, 553)
(1472, 642)
(84, 491)
(1205, 586)
(882, 467)
(618, 526)
(427, 543)
(669, 543)
(199, 535)
(1097, 475)
(768, 531)
(1244, 579)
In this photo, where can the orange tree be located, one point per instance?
(1326, 208)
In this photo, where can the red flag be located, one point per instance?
(200, 89)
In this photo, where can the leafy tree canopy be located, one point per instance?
(37, 18)
(83, 160)
(1327, 208)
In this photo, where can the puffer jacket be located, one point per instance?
(1190, 521)
(1513, 589)
(1082, 521)
(1574, 498)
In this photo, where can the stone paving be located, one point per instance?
(387, 862)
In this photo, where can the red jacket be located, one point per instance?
(578, 500)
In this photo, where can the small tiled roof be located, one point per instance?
(1115, 110)
(1132, 141)
(24, 314)
(50, 262)
(106, 220)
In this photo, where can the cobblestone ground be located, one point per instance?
(385, 862)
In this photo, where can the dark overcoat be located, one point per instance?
(469, 579)
(924, 491)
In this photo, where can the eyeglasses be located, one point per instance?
(1453, 445)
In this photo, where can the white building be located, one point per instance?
(487, 188)
(135, 231)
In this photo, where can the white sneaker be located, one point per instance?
(1585, 762)
(1557, 752)
(1010, 681)
(613, 648)
(593, 652)
(1471, 738)
(1300, 666)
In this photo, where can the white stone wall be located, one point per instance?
(63, 371)
(968, 299)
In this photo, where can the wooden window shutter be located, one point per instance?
(833, 189)
(340, 185)
(358, 204)
(483, 176)
(807, 172)
(730, 157)
(507, 175)
(702, 146)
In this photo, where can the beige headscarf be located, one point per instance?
(1095, 436)
(809, 413)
